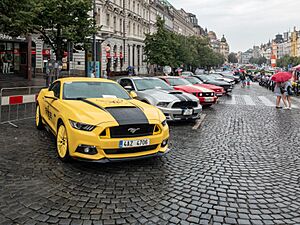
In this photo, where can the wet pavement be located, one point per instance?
(241, 166)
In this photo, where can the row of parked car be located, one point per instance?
(181, 97)
(97, 120)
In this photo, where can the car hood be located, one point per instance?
(102, 110)
(167, 95)
(218, 83)
(210, 86)
(189, 88)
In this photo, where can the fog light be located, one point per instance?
(164, 143)
(87, 149)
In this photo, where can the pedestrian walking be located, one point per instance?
(248, 80)
(243, 79)
(279, 93)
(288, 93)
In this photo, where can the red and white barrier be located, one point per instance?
(18, 99)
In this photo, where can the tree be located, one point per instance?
(167, 48)
(160, 47)
(56, 21)
(232, 58)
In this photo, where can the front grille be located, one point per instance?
(185, 105)
(129, 150)
(133, 130)
(207, 94)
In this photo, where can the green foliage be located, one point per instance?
(288, 60)
(165, 48)
(57, 21)
(232, 58)
(258, 61)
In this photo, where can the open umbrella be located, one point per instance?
(281, 77)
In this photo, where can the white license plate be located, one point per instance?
(134, 143)
(188, 112)
(208, 99)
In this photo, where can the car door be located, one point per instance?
(52, 105)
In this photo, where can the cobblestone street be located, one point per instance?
(241, 166)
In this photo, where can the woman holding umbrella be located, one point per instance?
(279, 90)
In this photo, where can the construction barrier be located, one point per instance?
(18, 103)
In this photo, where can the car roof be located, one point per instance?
(84, 79)
(139, 78)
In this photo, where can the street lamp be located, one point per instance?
(94, 36)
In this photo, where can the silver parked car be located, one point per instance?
(176, 105)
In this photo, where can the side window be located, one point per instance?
(126, 83)
(55, 87)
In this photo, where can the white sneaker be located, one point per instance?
(286, 108)
(290, 108)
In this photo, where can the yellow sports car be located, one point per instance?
(96, 119)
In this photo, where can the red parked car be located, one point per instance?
(206, 96)
(195, 81)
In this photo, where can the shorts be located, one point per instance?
(277, 91)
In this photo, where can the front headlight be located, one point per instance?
(82, 126)
(200, 94)
(163, 104)
(164, 123)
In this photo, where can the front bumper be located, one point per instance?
(208, 100)
(176, 114)
(110, 160)
(108, 149)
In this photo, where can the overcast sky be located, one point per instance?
(244, 22)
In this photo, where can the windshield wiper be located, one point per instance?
(77, 98)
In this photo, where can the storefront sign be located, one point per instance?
(6, 37)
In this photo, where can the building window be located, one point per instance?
(134, 29)
(129, 28)
(121, 25)
(108, 20)
(133, 9)
(115, 24)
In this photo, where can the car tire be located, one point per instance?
(38, 118)
(62, 144)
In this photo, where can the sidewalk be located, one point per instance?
(9, 81)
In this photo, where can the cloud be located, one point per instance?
(244, 22)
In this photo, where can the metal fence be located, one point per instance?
(18, 103)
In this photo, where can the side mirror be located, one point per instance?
(133, 94)
(50, 95)
(128, 88)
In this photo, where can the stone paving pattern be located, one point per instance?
(240, 167)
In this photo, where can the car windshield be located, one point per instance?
(187, 74)
(216, 75)
(178, 81)
(206, 77)
(193, 80)
(147, 84)
(78, 90)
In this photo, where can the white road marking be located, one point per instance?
(232, 101)
(267, 101)
(248, 100)
(199, 122)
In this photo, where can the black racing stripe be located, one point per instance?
(128, 115)
(179, 96)
(187, 96)
(93, 104)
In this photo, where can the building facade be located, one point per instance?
(120, 40)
